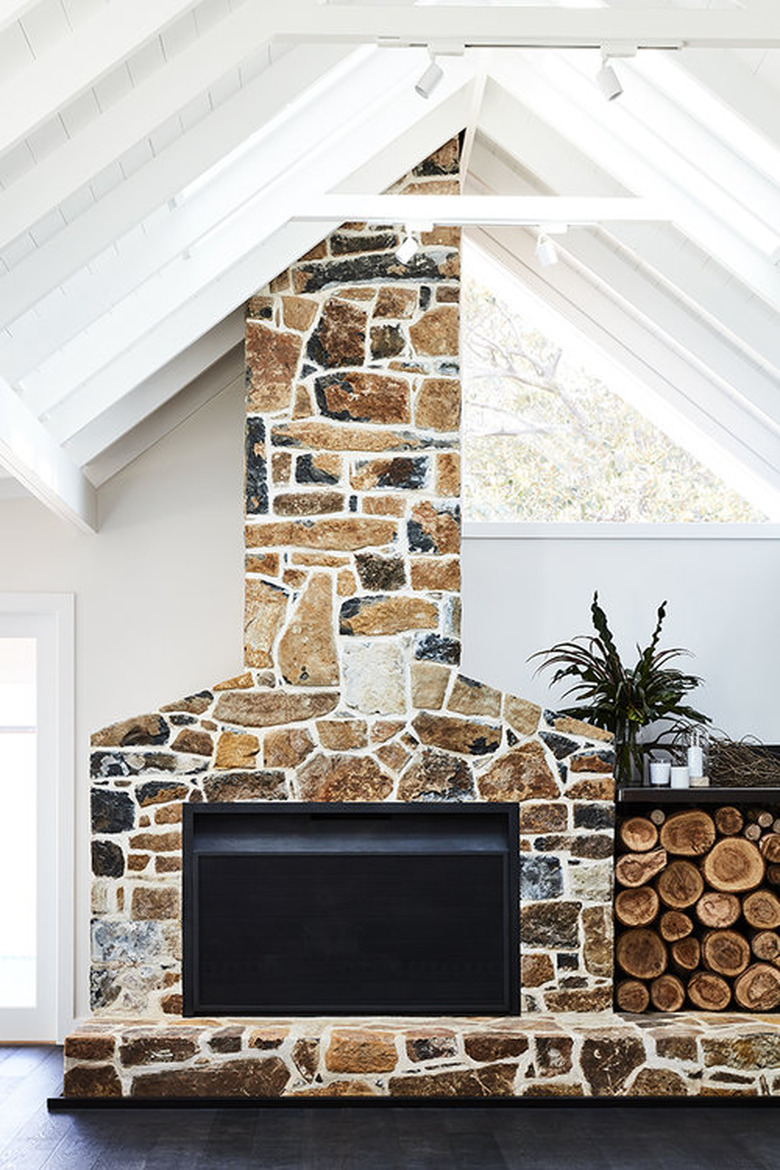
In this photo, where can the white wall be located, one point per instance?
(520, 596)
(159, 590)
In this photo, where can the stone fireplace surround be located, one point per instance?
(351, 691)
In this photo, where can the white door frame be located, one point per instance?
(53, 615)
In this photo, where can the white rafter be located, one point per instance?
(481, 209)
(76, 62)
(32, 456)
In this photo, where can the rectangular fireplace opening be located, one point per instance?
(350, 909)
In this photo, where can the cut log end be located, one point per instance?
(667, 993)
(680, 885)
(758, 988)
(734, 865)
(637, 907)
(686, 954)
(766, 946)
(688, 834)
(729, 821)
(639, 834)
(762, 910)
(674, 925)
(726, 952)
(718, 910)
(632, 996)
(635, 869)
(641, 953)
(710, 993)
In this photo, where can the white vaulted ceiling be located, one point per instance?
(153, 156)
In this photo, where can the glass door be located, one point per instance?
(28, 829)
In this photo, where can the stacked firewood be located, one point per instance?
(698, 910)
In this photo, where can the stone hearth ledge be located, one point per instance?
(599, 1054)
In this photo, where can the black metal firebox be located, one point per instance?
(334, 909)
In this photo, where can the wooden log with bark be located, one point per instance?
(667, 993)
(734, 865)
(631, 995)
(758, 988)
(679, 885)
(637, 907)
(688, 834)
(718, 910)
(766, 946)
(709, 992)
(762, 910)
(639, 834)
(770, 848)
(634, 869)
(729, 821)
(726, 952)
(642, 953)
(674, 924)
(686, 953)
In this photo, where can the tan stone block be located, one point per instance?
(536, 969)
(144, 821)
(338, 533)
(323, 467)
(357, 293)
(197, 743)
(273, 708)
(466, 736)
(398, 472)
(447, 294)
(340, 336)
(448, 473)
(658, 1082)
(346, 584)
(229, 786)
(92, 1080)
(265, 608)
(161, 1045)
(598, 941)
(397, 303)
(320, 560)
(595, 788)
(160, 792)
(261, 307)
(238, 681)
(361, 1051)
(374, 676)
(287, 748)
(304, 403)
(447, 237)
(491, 1080)
(677, 1048)
(343, 777)
(522, 773)
(429, 683)
(392, 756)
(337, 1089)
(298, 313)
(236, 749)
(318, 252)
(437, 332)
(280, 283)
(436, 775)
(438, 400)
(138, 861)
(469, 697)
(343, 734)
(265, 679)
(87, 1046)
(377, 615)
(158, 842)
(294, 578)
(439, 528)
(384, 505)
(143, 729)
(306, 1055)
(590, 762)
(155, 902)
(281, 466)
(431, 1044)
(489, 1046)
(330, 436)
(165, 864)
(269, 1036)
(192, 704)
(172, 1005)
(568, 726)
(522, 716)
(120, 899)
(588, 999)
(364, 397)
(272, 359)
(307, 649)
(312, 503)
(384, 729)
(543, 817)
(243, 1077)
(167, 814)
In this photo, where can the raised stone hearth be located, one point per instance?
(599, 1055)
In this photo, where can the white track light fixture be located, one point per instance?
(407, 249)
(546, 252)
(607, 78)
(430, 78)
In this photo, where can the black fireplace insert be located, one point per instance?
(334, 909)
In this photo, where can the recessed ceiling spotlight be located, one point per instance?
(407, 249)
(546, 252)
(608, 80)
(430, 78)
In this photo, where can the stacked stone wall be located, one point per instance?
(351, 688)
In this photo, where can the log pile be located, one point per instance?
(697, 910)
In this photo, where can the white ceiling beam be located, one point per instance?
(132, 119)
(226, 373)
(190, 297)
(188, 157)
(466, 210)
(301, 148)
(559, 162)
(755, 392)
(616, 146)
(147, 398)
(36, 460)
(11, 10)
(76, 62)
(618, 333)
(532, 27)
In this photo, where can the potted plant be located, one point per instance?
(622, 699)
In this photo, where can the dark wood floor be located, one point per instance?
(534, 1137)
